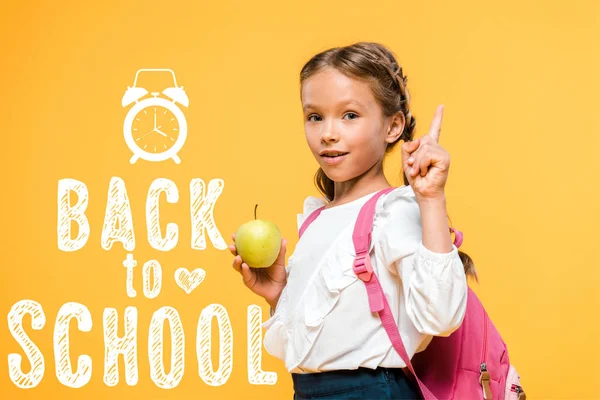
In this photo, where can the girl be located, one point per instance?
(356, 109)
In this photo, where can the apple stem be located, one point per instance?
(255, 207)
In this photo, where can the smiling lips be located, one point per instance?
(333, 157)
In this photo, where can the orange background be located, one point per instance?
(520, 82)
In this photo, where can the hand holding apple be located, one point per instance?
(259, 254)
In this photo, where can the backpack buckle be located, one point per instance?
(362, 267)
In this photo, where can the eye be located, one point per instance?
(352, 113)
(312, 115)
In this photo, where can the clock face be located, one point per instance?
(155, 129)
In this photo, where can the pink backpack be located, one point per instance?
(471, 363)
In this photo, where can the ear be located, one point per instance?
(395, 127)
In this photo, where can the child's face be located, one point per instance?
(341, 113)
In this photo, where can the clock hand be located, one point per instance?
(161, 132)
(147, 133)
(155, 118)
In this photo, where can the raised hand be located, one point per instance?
(426, 163)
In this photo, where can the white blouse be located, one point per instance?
(322, 320)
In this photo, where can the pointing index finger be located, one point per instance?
(436, 124)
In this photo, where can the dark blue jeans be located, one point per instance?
(362, 383)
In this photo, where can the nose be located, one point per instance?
(329, 133)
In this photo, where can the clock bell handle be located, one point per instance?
(154, 70)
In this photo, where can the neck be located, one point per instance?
(369, 182)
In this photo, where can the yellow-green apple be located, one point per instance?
(258, 242)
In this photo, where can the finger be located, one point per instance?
(436, 124)
(246, 273)
(407, 149)
(233, 249)
(233, 236)
(409, 169)
(423, 165)
(237, 264)
(281, 257)
(414, 170)
(413, 167)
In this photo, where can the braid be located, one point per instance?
(404, 102)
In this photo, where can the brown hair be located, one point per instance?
(374, 63)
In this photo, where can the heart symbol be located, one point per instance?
(187, 280)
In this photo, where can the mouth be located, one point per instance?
(332, 153)
(332, 158)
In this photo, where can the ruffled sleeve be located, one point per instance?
(434, 284)
(278, 340)
(311, 203)
(292, 330)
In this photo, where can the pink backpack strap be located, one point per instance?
(458, 236)
(310, 219)
(377, 300)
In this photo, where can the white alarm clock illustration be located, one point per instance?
(155, 128)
